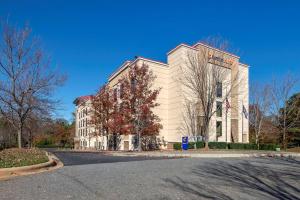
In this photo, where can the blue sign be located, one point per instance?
(185, 143)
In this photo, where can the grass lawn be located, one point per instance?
(21, 157)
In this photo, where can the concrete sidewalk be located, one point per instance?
(208, 154)
(195, 153)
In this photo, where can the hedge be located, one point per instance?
(242, 146)
(47, 146)
(224, 145)
(177, 146)
(217, 145)
(271, 147)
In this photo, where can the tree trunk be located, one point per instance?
(107, 142)
(30, 139)
(284, 130)
(20, 138)
(206, 147)
(139, 142)
(284, 139)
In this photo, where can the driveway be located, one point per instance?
(97, 176)
(84, 158)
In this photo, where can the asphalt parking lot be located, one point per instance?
(97, 176)
(84, 158)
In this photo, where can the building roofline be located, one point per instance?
(130, 63)
(119, 69)
(202, 44)
(82, 99)
(244, 65)
(181, 45)
(149, 60)
(208, 46)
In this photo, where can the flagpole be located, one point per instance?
(226, 124)
(226, 116)
(242, 121)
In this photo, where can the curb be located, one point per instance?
(52, 164)
(207, 155)
(192, 155)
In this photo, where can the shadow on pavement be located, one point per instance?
(265, 178)
(85, 158)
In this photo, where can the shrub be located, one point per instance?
(191, 145)
(177, 146)
(200, 145)
(241, 146)
(217, 145)
(47, 146)
(270, 147)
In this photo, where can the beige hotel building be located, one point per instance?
(171, 99)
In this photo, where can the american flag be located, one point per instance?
(245, 112)
(227, 105)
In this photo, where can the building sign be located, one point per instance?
(214, 57)
(185, 143)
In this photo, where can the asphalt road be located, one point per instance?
(187, 178)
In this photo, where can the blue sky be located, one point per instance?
(88, 40)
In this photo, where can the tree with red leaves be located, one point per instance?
(102, 104)
(142, 102)
(120, 117)
(128, 108)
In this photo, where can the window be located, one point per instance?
(121, 90)
(133, 84)
(219, 109)
(219, 89)
(115, 94)
(219, 128)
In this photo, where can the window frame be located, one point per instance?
(219, 90)
(219, 109)
(219, 134)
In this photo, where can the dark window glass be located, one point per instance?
(219, 89)
(121, 91)
(133, 84)
(115, 94)
(219, 109)
(219, 128)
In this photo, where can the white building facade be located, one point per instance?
(228, 125)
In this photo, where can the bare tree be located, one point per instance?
(26, 79)
(206, 71)
(281, 108)
(259, 109)
(7, 136)
(190, 115)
